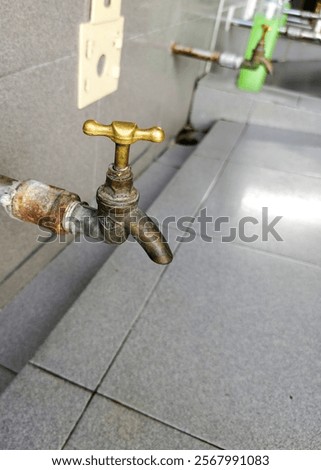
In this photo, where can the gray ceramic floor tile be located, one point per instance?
(29, 318)
(310, 104)
(284, 117)
(220, 140)
(108, 425)
(293, 152)
(24, 236)
(38, 411)
(27, 270)
(85, 341)
(244, 190)
(151, 183)
(185, 192)
(6, 376)
(211, 105)
(176, 155)
(228, 350)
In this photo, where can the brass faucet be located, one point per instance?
(118, 214)
(117, 199)
(258, 54)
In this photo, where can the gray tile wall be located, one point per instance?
(42, 135)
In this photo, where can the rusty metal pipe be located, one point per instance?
(36, 202)
(48, 206)
(224, 59)
(195, 53)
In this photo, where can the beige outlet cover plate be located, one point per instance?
(100, 44)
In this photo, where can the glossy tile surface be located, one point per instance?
(287, 203)
(278, 149)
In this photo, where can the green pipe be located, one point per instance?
(253, 80)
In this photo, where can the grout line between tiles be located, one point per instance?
(221, 170)
(19, 265)
(301, 99)
(37, 66)
(141, 309)
(58, 376)
(78, 420)
(72, 383)
(118, 402)
(166, 28)
(268, 253)
(7, 369)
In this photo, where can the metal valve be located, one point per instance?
(123, 134)
(117, 199)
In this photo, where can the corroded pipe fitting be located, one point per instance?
(36, 202)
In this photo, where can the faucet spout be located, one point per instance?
(147, 234)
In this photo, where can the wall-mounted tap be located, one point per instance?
(258, 55)
(118, 214)
(224, 59)
(227, 59)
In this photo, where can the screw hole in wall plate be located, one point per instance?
(101, 65)
(107, 3)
